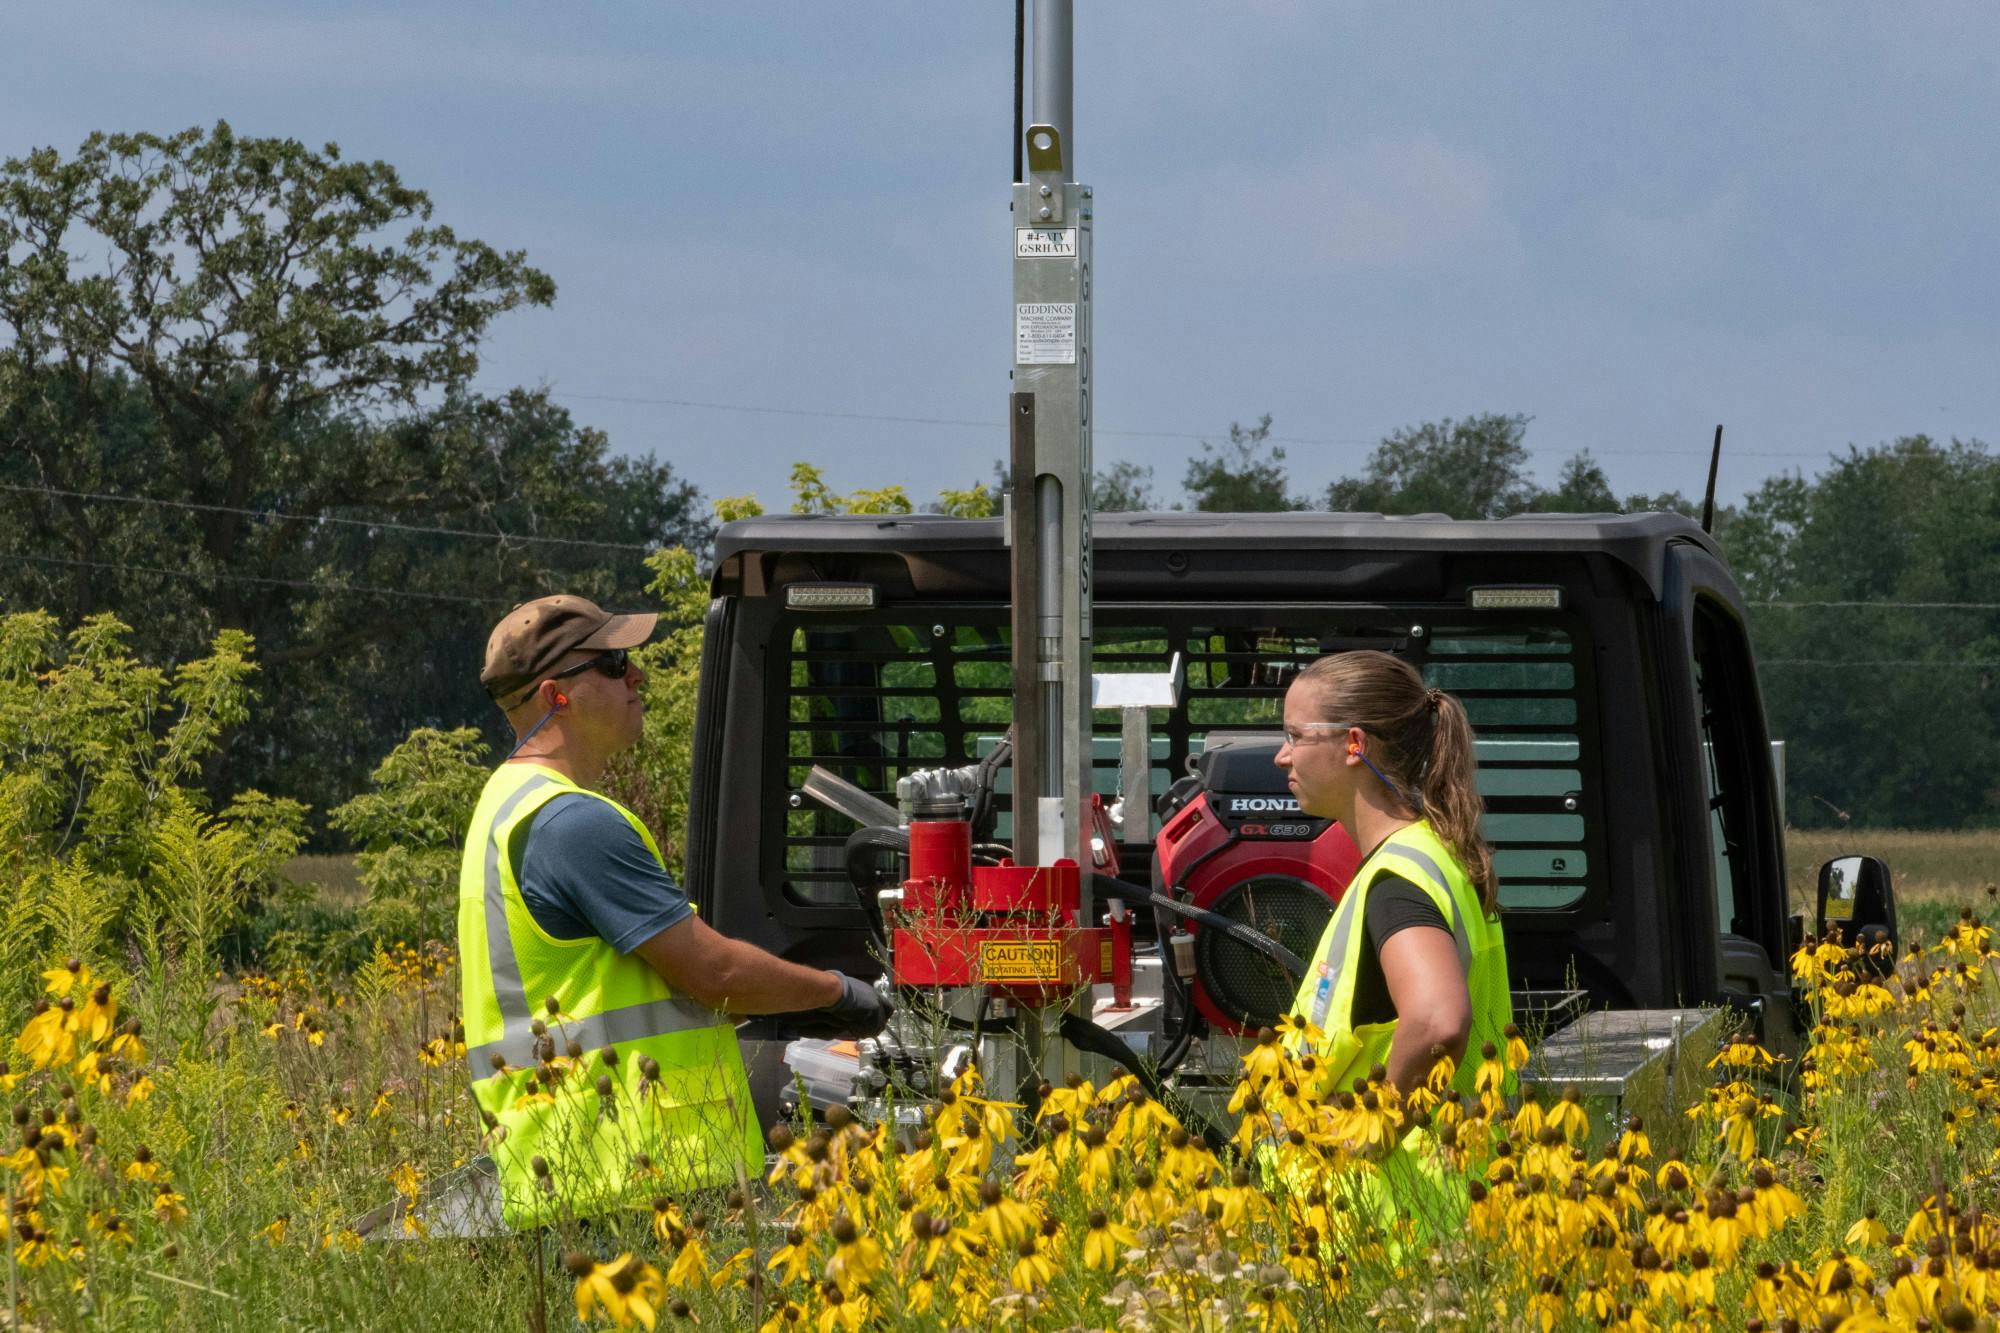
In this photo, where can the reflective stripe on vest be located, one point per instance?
(1326, 995)
(516, 1044)
(660, 1102)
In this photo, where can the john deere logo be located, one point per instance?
(1020, 960)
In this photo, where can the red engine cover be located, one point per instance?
(1208, 854)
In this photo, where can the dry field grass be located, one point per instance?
(339, 885)
(1928, 865)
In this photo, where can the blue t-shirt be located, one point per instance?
(584, 871)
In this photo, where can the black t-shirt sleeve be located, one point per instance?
(1394, 904)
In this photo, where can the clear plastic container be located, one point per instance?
(827, 1068)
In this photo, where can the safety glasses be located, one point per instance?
(613, 663)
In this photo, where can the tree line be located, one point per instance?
(236, 393)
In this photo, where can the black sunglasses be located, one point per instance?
(613, 664)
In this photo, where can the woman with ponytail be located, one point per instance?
(1412, 967)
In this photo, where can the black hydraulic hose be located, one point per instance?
(1235, 930)
(1176, 1050)
(862, 845)
(1085, 1035)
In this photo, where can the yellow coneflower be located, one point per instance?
(1105, 1241)
(1866, 1231)
(143, 1166)
(1268, 1304)
(1517, 1048)
(731, 1270)
(114, 1228)
(690, 1265)
(1633, 1144)
(1229, 1205)
(169, 1205)
(788, 1317)
(380, 1106)
(842, 1311)
(47, 1038)
(38, 1170)
(1264, 1062)
(36, 1247)
(1002, 1220)
(1031, 1269)
(72, 975)
(274, 1232)
(625, 1289)
(793, 1260)
(1490, 1080)
(857, 1257)
(1913, 1300)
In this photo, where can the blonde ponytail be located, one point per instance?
(1451, 793)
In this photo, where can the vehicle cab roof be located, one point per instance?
(1638, 541)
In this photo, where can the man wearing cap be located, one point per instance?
(592, 993)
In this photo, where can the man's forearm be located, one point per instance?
(751, 981)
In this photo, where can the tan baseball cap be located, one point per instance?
(535, 637)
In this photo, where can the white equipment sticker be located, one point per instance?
(1045, 242)
(1045, 333)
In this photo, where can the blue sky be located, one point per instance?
(1628, 221)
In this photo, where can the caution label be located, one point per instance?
(1020, 960)
(1104, 956)
(1045, 242)
(1045, 333)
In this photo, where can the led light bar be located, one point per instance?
(830, 597)
(1516, 599)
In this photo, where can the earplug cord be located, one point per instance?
(552, 712)
(1412, 798)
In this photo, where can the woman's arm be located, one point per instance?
(1433, 1007)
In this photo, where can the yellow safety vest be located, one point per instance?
(1411, 1183)
(1326, 995)
(621, 1090)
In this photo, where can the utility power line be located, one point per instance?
(998, 423)
(469, 534)
(1878, 662)
(1904, 606)
(371, 591)
(357, 588)
(389, 524)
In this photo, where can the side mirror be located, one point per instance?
(1855, 895)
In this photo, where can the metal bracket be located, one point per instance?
(1045, 176)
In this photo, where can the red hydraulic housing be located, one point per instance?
(1249, 857)
(1012, 928)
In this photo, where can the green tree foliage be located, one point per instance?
(409, 828)
(1890, 711)
(1471, 468)
(106, 847)
(1125, 487)
(214, 329)
(977, 501)
(1245, 475)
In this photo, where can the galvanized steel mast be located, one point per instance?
(1050, 466)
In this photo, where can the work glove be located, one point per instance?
(861, 1010)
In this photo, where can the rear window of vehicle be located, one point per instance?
(871, 700)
